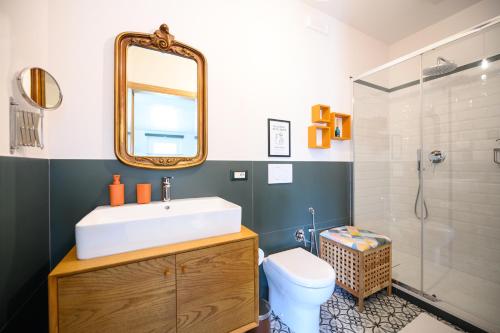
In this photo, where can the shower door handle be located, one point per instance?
(496, 153)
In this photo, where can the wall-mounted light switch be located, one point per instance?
(239, 175)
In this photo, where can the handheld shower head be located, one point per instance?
(443, 66)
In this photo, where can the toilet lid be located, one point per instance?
(302, 268)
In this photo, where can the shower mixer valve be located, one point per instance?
(436, 156)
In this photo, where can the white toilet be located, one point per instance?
(299, 282)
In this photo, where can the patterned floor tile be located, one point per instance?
(383, 314)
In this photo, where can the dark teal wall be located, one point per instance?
(78, 186)
(24, 244)
(282, 208)
(273, 211)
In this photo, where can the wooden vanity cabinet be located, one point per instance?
(138, 297)
(209, 285)
(216, 288)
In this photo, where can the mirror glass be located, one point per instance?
(162, 104)
(40, 88)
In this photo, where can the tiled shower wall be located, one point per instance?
(462, 118)
(371, 169)
(404, 140)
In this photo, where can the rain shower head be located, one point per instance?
(442, 66)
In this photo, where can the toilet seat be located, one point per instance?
(302, 268)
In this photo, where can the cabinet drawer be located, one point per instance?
(137, 297)
(216, 288)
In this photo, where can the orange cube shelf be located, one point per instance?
(320, 114)
(325, 137)
(345, 133)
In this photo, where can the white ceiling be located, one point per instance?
(390, 20)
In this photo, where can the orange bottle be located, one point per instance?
(116, 192)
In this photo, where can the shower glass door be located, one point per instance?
(461, 123)
(387, 140)
(427, 172)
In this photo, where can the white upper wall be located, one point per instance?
(23, 43)
(460, 21)
(262, 63)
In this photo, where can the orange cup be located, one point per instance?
(143, 193)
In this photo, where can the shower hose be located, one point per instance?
(426, 212)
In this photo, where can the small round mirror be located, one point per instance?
(39, 88)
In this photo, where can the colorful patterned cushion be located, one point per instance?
(348, 237)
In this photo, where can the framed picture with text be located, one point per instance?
(278, 138)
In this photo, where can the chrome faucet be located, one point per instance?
(166, 184)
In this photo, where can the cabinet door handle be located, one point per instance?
(183, 269)
(167, 272)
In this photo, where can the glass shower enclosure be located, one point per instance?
(426, 136)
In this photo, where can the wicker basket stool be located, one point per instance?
(361, 259)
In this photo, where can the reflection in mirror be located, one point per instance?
(162, 106)
(39, 88)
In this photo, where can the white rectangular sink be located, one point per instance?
(110, 230)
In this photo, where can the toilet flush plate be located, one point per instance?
(279, 173)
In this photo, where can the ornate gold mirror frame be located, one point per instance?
(161, 40)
